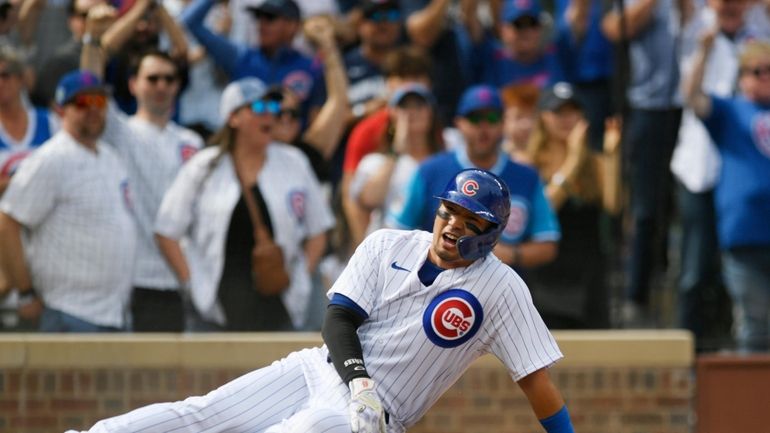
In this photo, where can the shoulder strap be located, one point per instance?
(260, 230)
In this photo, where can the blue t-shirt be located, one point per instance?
(741, 131)
(589, 58)
(532, 218)
(287, 66)
(496, 66)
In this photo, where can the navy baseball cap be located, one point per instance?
(77, 82)
(368, 7)
(279, 8)
(479, 97)
(515, 9)
(411, 89)
(553, 98)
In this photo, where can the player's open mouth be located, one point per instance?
(449, 239)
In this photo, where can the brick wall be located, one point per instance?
(61, 383)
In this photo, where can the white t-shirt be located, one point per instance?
(76, 207)
(417, 341)
(199, 203)
(152, 157)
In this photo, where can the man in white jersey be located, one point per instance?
(73, 201)
(408, 315)
(153, 147)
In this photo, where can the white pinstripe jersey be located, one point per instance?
(152, 157)
(417, 340)
(76, 205)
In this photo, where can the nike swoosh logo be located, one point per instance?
(395, 266)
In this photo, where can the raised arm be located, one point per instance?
(29, 15)
(425, 26)
(224, 52)
(325, 132)
(121, 31)
(576, 17)
(93, 57)
(694, 96)
(174, 31)
(636, 16)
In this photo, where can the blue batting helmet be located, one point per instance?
(487, 196)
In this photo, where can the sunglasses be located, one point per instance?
(261, 107)
(757, 71)
(291, 113)
(168, 78)
(525, 22)
(89, 100)
(264, 16)
(491, 117)
(384, 16)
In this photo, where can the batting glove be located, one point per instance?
(366, 413)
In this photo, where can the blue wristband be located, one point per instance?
(558, 422)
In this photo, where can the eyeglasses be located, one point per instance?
(291, 113)
(261, 107)
(6, 75)
(89, 100)
(383, 16)
(82, 15)
(525, 22)
(757, 71)
(264, 16)
(168, 78)
(491, 117)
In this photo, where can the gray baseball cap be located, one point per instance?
(239, 93)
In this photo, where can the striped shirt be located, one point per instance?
(417, 341)
(152, 156)
(76, 207)
(199, 203)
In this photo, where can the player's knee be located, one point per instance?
(318, 421)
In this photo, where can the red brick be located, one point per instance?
(34, 421)
(14, 382)
(67, 382)
(73, 405)
(9, 406)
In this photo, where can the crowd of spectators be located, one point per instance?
(135, 133)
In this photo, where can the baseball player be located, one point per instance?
(408, 315)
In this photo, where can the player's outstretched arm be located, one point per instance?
(546, 402)
(339, 333)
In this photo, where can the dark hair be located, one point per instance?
(136, 61)
(407, 61)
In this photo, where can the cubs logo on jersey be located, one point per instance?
(300, 82)
(517, 220)
(297, 201)
(11, 164)
(452, 318)
(186, 151)
(125, 192)
(761, 129)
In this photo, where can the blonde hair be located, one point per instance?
(753, 50)
(586, 185)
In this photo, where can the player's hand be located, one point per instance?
(366, 413)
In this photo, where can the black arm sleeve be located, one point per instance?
(339, 334)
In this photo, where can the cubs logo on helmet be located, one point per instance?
(470, 187)
(452, 318)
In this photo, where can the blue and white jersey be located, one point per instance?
(497, 67)
(531, 219)
(417, 340)
(41, 125)
(741, 131)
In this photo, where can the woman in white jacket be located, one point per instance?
(205, 211)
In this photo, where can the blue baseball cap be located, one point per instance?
(279, 8)
(77, 82)
(411, 89)
(514, 9)
(479, 97)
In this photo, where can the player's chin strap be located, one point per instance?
(558, 422)
(476, 247)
